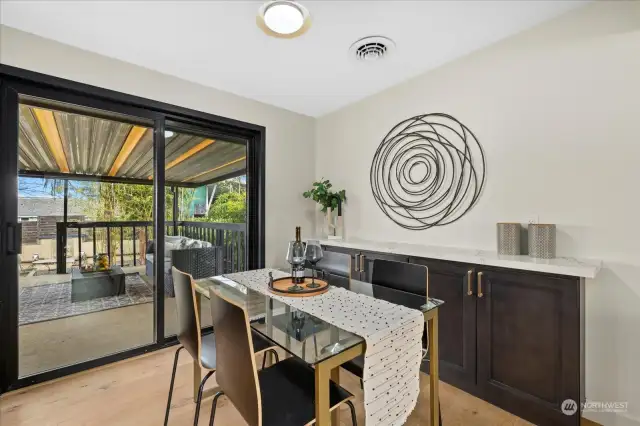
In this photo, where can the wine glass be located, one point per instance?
(313, 254)
(295, 256)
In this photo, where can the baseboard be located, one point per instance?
(609, 419)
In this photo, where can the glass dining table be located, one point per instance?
(317, 342)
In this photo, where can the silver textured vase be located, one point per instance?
(542, 240)
(508, 238)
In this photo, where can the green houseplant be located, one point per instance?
(322, 194)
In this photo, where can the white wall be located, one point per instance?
(557, 110)
(290, 136)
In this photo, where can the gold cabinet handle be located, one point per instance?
(362, 263)
(469, 273)
(480, 294)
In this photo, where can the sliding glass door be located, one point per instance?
(102, 193)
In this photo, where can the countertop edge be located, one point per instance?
(588, 268)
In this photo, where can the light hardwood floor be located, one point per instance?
(134, 392)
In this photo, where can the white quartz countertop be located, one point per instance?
(586, 268)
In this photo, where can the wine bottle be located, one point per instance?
(298, 259)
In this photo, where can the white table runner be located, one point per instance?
(393, 334)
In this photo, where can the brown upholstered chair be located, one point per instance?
(280, 395)
(201, 348)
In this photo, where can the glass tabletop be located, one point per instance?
(303, 335)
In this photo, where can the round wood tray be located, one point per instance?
(281, 286)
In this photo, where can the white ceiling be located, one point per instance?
(217, 43)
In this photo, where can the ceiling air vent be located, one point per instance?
(372, 48)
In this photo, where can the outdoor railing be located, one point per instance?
(126, 241)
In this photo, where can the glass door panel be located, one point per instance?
(85, 208)
(205, 178)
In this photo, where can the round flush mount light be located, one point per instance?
(283, 19)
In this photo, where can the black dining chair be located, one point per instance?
(401, 283)
(280, 395)
(201, 348)
(335, 268)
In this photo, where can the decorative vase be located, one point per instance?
(542, 240)
(508, 238)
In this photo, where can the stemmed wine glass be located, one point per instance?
(313, 254)
(295, 256)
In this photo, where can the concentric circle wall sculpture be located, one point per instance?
(428, 171)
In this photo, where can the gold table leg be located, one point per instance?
(434, 379)
(335, 414)
(325, 371)
(322, 395)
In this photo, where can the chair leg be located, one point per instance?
(213, 407)
(315, 344)
(173, 378)
(198, 402)
(354, 421)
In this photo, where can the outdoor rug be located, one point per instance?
(53, 301)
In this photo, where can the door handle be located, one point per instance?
(357, 259)
(480, 294)
(469, 291)
(14, 238)
(362, 263)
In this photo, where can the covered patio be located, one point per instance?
(63, 145)
(73, 148)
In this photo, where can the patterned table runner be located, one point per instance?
(393, 334)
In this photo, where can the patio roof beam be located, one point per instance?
(92, 178)
(224, 177)
(47, 123)
(129, 144)
(206, 172)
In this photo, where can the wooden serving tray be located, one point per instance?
(281, 287)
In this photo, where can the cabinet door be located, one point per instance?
(452, 282)
(529, 343)
(366, 262)
(355, 259)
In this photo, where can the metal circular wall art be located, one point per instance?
(428, 171)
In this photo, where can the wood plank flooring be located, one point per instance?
(134, 392)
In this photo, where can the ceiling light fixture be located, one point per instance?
(168, 134)
(283, 19)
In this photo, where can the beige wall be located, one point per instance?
(290, 136)
(557, 111)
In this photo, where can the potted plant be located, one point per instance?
(330, 203)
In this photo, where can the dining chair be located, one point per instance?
(280, 395)
(336, 268)
(201, 348)
(402, 283)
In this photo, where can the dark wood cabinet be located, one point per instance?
(529, 343)
(454, 283)
(512, 338)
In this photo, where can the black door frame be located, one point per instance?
(15, 81)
